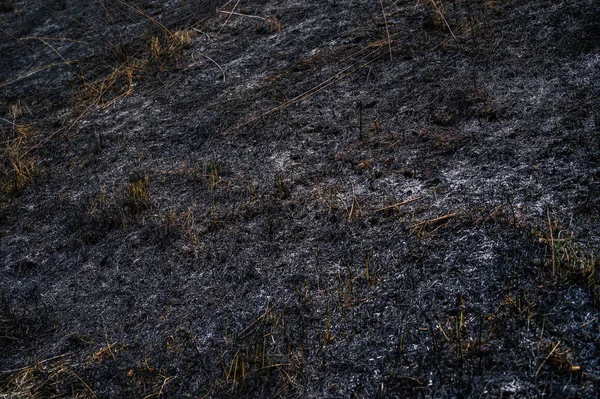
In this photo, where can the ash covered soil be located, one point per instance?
(290, 198)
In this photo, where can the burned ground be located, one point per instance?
(299, 199)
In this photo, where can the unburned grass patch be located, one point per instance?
(18, 165)
(108, 77)
(568, 258)
(70, 376)
(137, 194)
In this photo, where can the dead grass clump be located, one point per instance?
(106, 82)
(17, 165)
(259, 357)
(183, 222)
(162, 48)
(211, 175)
(116, 84)
(569, 258)
(137, 195)
(44, 379)
(180, 40)
(111, 83)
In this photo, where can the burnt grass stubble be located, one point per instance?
(160, 249)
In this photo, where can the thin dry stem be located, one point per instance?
(228, 18)
(387, 31)
(397, 204)
(547, 357)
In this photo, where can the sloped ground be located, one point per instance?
(299, 199)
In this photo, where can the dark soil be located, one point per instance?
(301, 199)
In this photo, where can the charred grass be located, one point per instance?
(347, 251)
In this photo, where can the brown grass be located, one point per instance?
(568, 256)
(17, 165)
(47, 378)
(137, 195)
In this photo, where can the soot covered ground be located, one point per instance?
(299, 199)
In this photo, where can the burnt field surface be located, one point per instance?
(323, 199)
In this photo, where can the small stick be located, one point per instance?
(354, 201)
(109, 346)
(398, 204)
(441, 218)
(360, 109)
(551, 243)
(228, 18)
(546, 359)
(490, 215)
(351, 210)
(588, 322)
(443, 18)
(84, 383)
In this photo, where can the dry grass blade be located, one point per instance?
(213, 61)
(547, 357)
(138, 10)
(25, 74)
(228, 18)
(269, 309)
(441, 15)
(84, 384)
(59, 39)
(363, 62)
(17, 166)
(275, 25)
(551, 228)
(387, 30)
